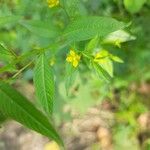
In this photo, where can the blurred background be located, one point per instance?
(96, 115)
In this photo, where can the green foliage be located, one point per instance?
(41, 28)
(44, 84)
(122, 136)
(2, 118)
(5, 54)
(92, 45)
(17, 107)
(116, 59)
(101, 72)
(118, 37)
(35, 42)
(83, 100)
(71, 73)
(5, 20)
(74, 8)
(134, 6)
(88, 27)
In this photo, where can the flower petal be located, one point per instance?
(69, 59)
(75, 63)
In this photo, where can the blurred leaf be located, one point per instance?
(88, 27)
(124, 139)
(44, 84)
(147, 144)
(107, 65)
(8, 68)
(71, 74)
(74, 8)
(92, 45)
(5, 54)
(103, 74)
(41, 28)
(116, 59)
(59, 114)
(96, 146)
(6, 57)
(17, 107)
(8, 20)
(83, 99)
(2, 117)
(118, 36)
(134, 6)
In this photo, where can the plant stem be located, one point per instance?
(15, 75)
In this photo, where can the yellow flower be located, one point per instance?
(53, 3)
(73, 58)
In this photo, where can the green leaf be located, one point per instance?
(74, 8)
(17, 107)
(118, 36)
(41, 28)
(8, 20)
(83, 99)
(92, 45)
(6, 58)
(71, 74)
(134, 6)
(5, 54)
(103, 74)
(44, 84)
(2, 118)
(102, 58)
(107, 65)
(116, 59)
(88, 27)
(8, 68)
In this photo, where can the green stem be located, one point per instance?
(15, 75)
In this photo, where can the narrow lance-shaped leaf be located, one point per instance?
(44, 84)
(17, 107)
(88, 27)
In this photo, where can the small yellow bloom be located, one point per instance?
(73, 58)
(53, 3)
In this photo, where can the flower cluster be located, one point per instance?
(53, 3)
(73, 58)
